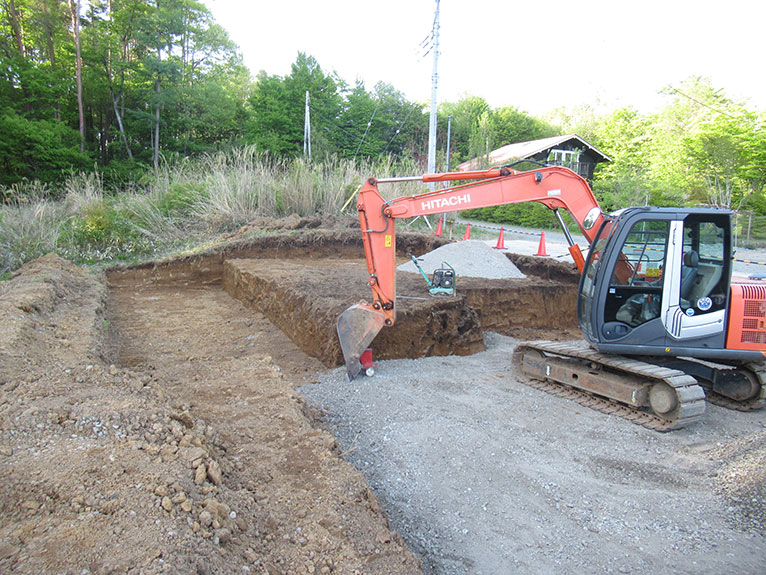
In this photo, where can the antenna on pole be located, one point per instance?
(434, 82)
(307, 130)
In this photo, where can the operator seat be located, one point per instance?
(689, 272)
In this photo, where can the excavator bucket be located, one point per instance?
(357, 327)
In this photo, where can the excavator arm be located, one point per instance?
(554, 187)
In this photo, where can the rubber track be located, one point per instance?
(690, 394)
(748, 405)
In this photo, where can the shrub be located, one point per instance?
(180, 198)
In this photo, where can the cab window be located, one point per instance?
(635, 289)
(704, 271)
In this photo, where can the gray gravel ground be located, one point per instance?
(484, 475)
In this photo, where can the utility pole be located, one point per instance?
(449, 134)
(446, 168)
(434, 82)
(307, 130)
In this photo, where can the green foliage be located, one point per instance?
(277, 106)
(702, 148)
(180, 198)
(98, 230)
(623, 136)
(94, 226)
(143, 62)
(530, 215)
(477, 129)
(36, 149)
(584, 120)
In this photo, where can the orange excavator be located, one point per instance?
(665, 328)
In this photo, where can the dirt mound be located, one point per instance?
(470, 258)
(292, 222)
(41, 307)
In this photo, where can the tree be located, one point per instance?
(466, 114)
(623, 136)
(477, 129)
(74, 12)
(277, 105)
(511, 126)
(35, 87)
(726, 152)
(373, 123)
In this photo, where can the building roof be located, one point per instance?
(525, 150)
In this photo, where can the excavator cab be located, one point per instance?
(657, 282)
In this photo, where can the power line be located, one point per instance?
(673, 90)
(340, 128)
(399, 129)
(368, 128)
(332, 123)
(355, 137)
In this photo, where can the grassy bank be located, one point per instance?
(180, 207)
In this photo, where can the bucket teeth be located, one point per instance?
(357, 327)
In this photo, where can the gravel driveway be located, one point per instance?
(484, 475)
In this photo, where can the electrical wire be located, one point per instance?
(356, 136)
(368, 128)
(399, 129)
(673, 90)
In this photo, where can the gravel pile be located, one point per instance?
(470, 258)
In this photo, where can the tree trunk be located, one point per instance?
(16, 27)
(48, 26)
(156, 156)
(74, 11)
(123, 137)
(110, 78)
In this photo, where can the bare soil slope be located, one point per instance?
(190, 454)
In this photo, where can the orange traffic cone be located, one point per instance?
(439, 227)
(467, 235)
(541, 248)
(501, 240)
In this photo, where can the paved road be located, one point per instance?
(526, 241)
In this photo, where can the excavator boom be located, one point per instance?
(553, 187)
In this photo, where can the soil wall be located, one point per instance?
(304, 299)
(506, 305)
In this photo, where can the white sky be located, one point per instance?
(534, 55)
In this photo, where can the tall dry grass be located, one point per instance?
(28, 230)
(181, 204)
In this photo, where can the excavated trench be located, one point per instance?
(303, 281)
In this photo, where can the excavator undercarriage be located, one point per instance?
(659, 397)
